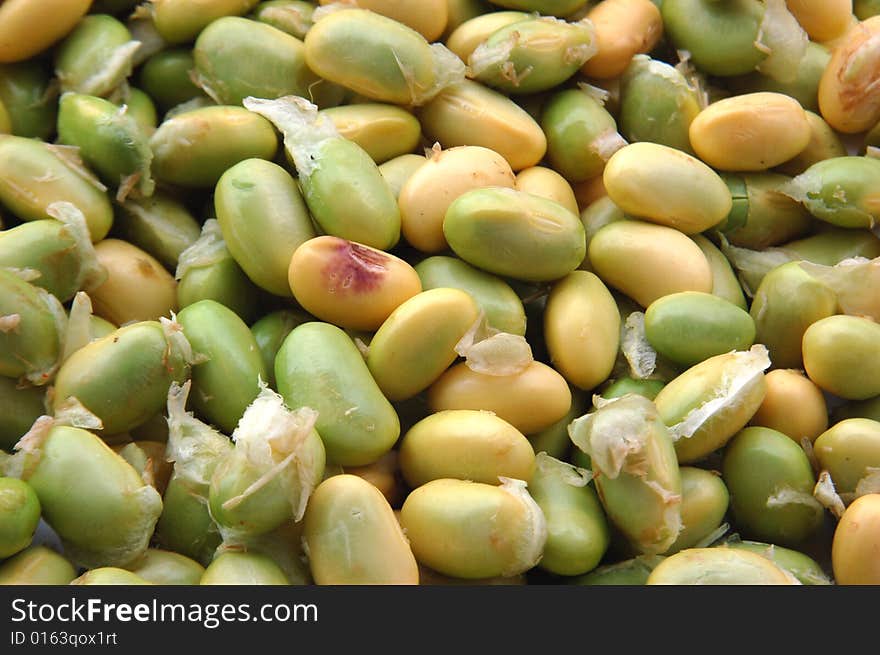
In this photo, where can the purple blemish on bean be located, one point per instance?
(354, 268)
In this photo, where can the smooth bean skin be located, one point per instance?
(416, 343)
(109, 575)
(398, 170)
(848, 450)
(93, 499)
(840, 191)
(582, 329)
(26, 93)
(515, 234)
(792, 405)
(122, 378)
(470, 114)
(724, 281)
(690, 327)
(473, 530)
(547, 183)
(445, 176)
(759, 464)
(470, 34)
(531, 400)
(428, 19)
(19, 408)
(178, 21)
(669, 262)
(132, 274)
(270, 331)
(842, 356)
(465, 445)
(622, 386)
(666, 186)
(37, 565)
(581, 135)
(503, 308)
(19, 516)
(44, 23)
(225, 384)
(624, 28)
(353, 536)
(243, 568)
(804, 568)
(291, 16)
(833, 245)
(707, 381)
(383, 131)
(577, 531)
(31, 345)
(704, 502)
(195, 148)
(165, 567)
(319, 366)
(824, 144)
(854, 549)
(788, 301)
(547, 7)
(349, 284)
(264, 219)
(751, 132)
(823, 20)
(95, 57)
(165, 77)
(718, 566)
(158, 225)
(848, 96)
(32, 177)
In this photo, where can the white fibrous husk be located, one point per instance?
(142, 28)
(743, 370)
(529, 546)
(784, 496)
(639, 354)
(177, 342)
(59, 316)
(492, 352)
(10, 323)
(272, 440)
(73, 413)
(194, 447)
(208, 249)
(331, 8)
(28, 450)
(570, 474)
(694, 79)
(70, 156)
(856, 282)
(303, 128)
(92, 273)
(448, 70)
(486, 56)
(752, 265)
(596, 93)
(607, 143)
(27, 274)
(783, 40)
(116, 69)
(869, 483)
(189, 105)
(713, 537)
(826, 495)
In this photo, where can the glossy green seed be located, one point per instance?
(93, 499)
(516, 234)
(109, 575)
(141, 108)
(560, 8)
(26, 93)
(263, 218)
(833, 245)
(657, 104)
(96, 57)
(165, 77)
(802, 567)
(850, 452)
(19, 516)
(228, 381)
(195, 148)
(771, 485)
(31, 341)
(842, 356)
(704, 502)
(159, 225)
(383, 131)
(164, 567)
(724, 281)
(468, 35)
(241, 568)
(236, 58)
(176, 21)
(786, 303)
(398, 170)
(122, 378)
(33, 176)
(109, 141)
(824, 144)
(37, 565)
(690, 327)
(581, 135)
(577, 530)
(647, 388)
(503, 308)
(319, 366)
(841, 191)
(532, 55)
(291, 16)
(271, 331)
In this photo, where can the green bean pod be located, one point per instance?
(37, 565)
(93, 499)
(320, 367)
(264, 220)
(771, 487)
(635, 470)
(349, 504)
(33, 175)
(123, 378)
(515, 234)
(473, 530)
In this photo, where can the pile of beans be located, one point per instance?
(440, 292)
